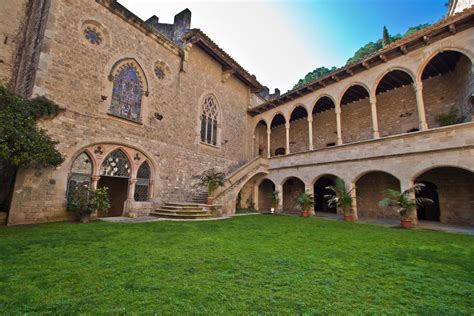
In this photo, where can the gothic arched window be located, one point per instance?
(127, 94)
(116, 165)
(81, 173)
(142, 187)
(209, 121)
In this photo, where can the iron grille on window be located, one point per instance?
(127, 94)
(143, 183)
(116, 165)
(209, 119)
(81, 173)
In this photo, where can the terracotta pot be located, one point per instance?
(85, 218)
(406, 223)
(210, 200)
(306, 213)
(348, 217)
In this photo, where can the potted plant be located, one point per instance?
(211, 179)
(83, 201)
(275, 201)
(305, 201)
(404, 202)
(341, 198)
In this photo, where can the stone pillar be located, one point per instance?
(373, 111)
(131, 189)
(338, 124)
(95, 181)
(420, 106)
(269, 132)
(310, 132)
(151, 188)
(280, 198)
(287, 127)
(354, 200)
(255, 195)
(309, 188)
(407, 184)
(255, 145)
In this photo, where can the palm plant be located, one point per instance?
(340, 196)
(211, 179)
(275, 199)
(403, 201)
(305, 201)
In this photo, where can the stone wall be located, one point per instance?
(74, 73)
(292, 188)
(369, 190)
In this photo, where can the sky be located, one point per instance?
(280, 41)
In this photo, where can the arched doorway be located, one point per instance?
(451, 189)
(265, 191)
(320, 192)
(370, 190)
(114, 174)
(292, 188)
(428, 211)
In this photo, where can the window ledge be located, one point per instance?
(125, 119)
(209, 145)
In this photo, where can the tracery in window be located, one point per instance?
(142, 186)
(127, 94)
(209, 121)
(81, 173)
(93, 35)
(116, 165)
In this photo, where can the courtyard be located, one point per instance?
(259, 264)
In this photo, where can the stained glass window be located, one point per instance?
(81, 173)
(127, 94)
(116, 165)
(92, 35)
(142, 186)
(209, 119)
(160, 72)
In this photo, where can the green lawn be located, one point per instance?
(251, 264)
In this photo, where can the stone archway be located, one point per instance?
(320, 191)
(292, 188)
(265, 191)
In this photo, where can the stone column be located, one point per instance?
(287, 127)
(338, 124)
(354, 200)
(420, 105)
(309, 188)
(373, 111)
(255, 145)
(280, 198)
(406, 184)
(95, 181)
(310, 132)
(131, 189)
(255, 195)
(151, 188)
(269, 132)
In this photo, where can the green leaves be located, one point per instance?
(403, 201)
(84, 200)
(22, 143)
(305, 201)
(211, 179)
(341, 196)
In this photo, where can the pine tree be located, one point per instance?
(386, 37)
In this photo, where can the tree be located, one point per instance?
(385, 37)
(22, 143)
(313, 75)
(340, 196)
(211, 179)
(403, 201)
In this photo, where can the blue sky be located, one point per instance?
(281, 41)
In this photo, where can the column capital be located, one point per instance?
(337, 110)
(373, 99)
(418, 86)
(287, 125)
(310, 118)
(132, 181)
(95, 178)
(269, 131)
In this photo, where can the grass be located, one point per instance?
(245, 265)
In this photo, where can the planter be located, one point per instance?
(272, 210)
(406, 223)
(85, 218)
(306, 214)
(348, 217)
(210, 200)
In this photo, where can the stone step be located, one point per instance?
(181, 204)
(180, 215)
(178, 211)
(176, 207)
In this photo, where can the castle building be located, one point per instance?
(148, 106)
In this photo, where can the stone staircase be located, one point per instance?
(200, 197)
(185, 211)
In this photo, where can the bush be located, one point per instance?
(85, 201)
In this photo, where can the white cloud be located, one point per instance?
(257, 34)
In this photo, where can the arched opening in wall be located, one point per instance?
(324, 123)
(451, 190)
(370, 190)
(356, 117)
(292, 188)
(261, 139)
(299, 133)
(278, 136)
(245, 202)
(447, 89)
(114, 174)
(320, 192)
(265, 192)
(81, 173)
(142, 186)
(396, 103)
(279, 151)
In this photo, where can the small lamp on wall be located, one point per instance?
(158, 116)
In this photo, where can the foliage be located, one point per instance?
(22, 143)
(242, 266)
(305, 200)
(250, 203)
(313, 75)
(275, 199)
(403, 201)
(449, 118)
(84, 200)
(238, 203)
(385, 37)
(340, 197)
(211, 179)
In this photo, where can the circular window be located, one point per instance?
(162, 70)
(92, 35)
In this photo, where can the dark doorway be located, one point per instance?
(118, 189)
(321, 202)
(429, 211)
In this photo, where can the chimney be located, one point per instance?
(153, 21)
(277, 93)
(182, 22)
